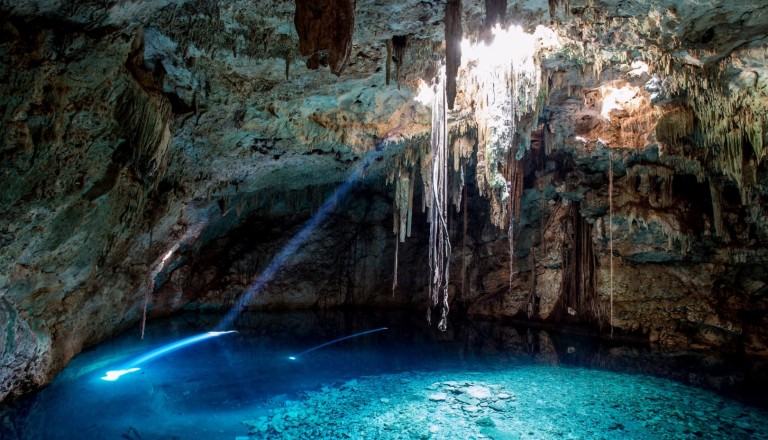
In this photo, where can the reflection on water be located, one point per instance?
(207, 390)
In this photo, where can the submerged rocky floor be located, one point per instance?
(531, 402)
(305, 375)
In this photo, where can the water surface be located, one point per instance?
(409, 381)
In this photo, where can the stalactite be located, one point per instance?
(399, 44)
(716, 194)
(439, 240)
(453, 36)
(402, 201)
(388, 71)
(325, 29)
(495, 14)
(463, 147)
(409, 222)
(145, 120)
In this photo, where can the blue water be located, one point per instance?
(209, 389)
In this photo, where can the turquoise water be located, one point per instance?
(478, 380)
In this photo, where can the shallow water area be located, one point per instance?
(477, 380)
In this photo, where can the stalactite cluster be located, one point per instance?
(652, 187)
(402, 173)
(729, 122)
(510, 100)
(675, 124)
(325, 31)
(579, 302)
(145, 120)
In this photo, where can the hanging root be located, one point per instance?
(610, 232)
(439, 240)
(394, 277)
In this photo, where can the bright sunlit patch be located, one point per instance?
(616, 99)
(639, 68)
(512, 45)
(426, 93)
(116, 374)
(508, 44)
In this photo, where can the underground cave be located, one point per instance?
(453, 219)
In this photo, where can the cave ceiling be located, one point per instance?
(249, 109)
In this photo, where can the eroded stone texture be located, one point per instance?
(84, 146)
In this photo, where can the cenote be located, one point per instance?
(363, 219)
(480, 379)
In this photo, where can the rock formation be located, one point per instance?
(159, 155)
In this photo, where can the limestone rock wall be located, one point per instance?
(84, 145)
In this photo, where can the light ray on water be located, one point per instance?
(133, 366)
(317, 347)
(277, 263)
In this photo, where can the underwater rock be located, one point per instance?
(498, 405)
(437, 397)
(463, 398)
(478, 392)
